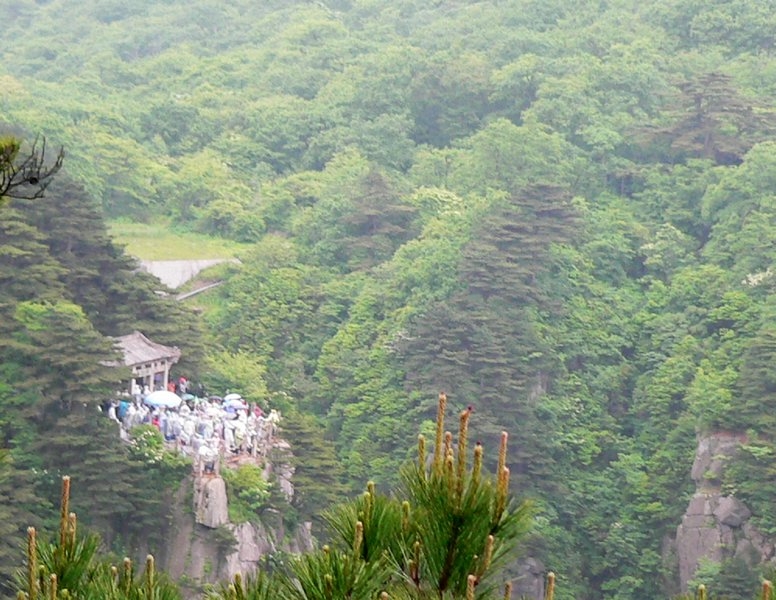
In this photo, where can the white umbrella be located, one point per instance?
(163, 398)
(236, 403)
(229, 397)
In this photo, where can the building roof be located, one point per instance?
(138, 349)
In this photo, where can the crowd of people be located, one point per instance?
(205, 428)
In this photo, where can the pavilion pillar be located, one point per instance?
(166, 379)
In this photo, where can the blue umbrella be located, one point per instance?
(163, 398)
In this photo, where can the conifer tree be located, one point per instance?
(377, 224)
(119, 494)
(17, 497)
(70, 567)
(62, 244)
(45, 344)
(446, 532)
(486, 338)
(757, 383)
(75, 234)
(23, 250)
(715, 120)
(317, 472)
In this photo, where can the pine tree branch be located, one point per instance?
(29, 176)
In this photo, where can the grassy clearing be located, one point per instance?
(159, 242)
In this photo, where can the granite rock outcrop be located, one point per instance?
(716, 526)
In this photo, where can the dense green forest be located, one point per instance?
(560, 213)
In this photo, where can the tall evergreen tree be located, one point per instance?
(485, 341)
(715, 120)
(75, 234)
(23, 250)
(44, 345)
(317, 472)
(756, 385)
(378, 223)
(17, 498)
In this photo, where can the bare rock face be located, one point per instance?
(284, 468)
(716, 526)
(530, 579)
(711, 455)
(200, 549)
(303, 540)
(212, 506)
(252, 542)
(731, 512)
(699, 536)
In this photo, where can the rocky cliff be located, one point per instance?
(716, 526)
(205, 547)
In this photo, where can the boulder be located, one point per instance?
(212, 508)
(731, 512)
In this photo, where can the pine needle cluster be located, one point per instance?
(448, 529)
(71, 568)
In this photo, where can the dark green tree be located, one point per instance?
(757, 384)
(17, 498)
(485, 341)
(43, 346)
(125, 492)
(318, 473)
(378, 223)
(736, 578)
(714, 120)
(23, 250)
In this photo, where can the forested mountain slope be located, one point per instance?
(64, 290)
(561, 213)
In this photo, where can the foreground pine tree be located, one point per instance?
(71, 568)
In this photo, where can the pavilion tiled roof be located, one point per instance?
(138, 349)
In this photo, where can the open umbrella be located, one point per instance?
(229, 397)
(163, 398)
(235, 403)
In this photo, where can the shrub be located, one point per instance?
(248, 492)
